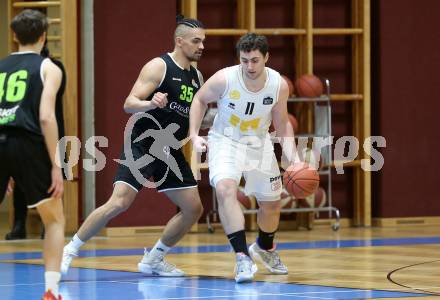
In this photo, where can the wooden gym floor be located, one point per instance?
(353, 263)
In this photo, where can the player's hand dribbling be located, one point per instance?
(159, 100)
(56, 188)
(199, 144)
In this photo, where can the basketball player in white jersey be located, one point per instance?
(249, 96)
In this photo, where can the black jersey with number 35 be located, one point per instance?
(181, 85)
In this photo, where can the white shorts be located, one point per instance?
(229, 159)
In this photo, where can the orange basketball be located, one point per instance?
(309, 86)
(289, 84)
(301, 180)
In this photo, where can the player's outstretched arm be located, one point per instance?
(148, 80)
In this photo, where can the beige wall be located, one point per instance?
(3, 28)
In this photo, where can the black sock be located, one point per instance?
(238, 242)
(265, 239)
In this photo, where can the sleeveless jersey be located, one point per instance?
(59, 102)
(181, 86)
(21, 86)
(242, 113)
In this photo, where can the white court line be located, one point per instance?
(238, 293)
(26, 241)
(229, 296)
(67, 239)
(226, 290)
(21, 284)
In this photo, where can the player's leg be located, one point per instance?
(184, 194)
(125, 189)
(225, 171)
(120, 200)
(231, 215)
(32, 172)
(190, 206)
(264, 249)
(20, 213)
(4, 170)
(51, 213)
(122, 197)
(265, 184)
(232, 219)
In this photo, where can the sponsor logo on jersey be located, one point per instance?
(272, 179)
(234, 95)
(177, 79)
(180, 109)
(276, 185)
(268, 100)
(194, 83)
(231, 105)
(7, 115)
(244, 125)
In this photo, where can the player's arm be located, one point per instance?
(148, 80)
(210, 92)
(52, 80)
(210, 113)
(282, 125)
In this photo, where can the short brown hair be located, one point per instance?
(252, 41)
(29, 26)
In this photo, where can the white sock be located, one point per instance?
(159, 249)
(52, 280)
(75, 243)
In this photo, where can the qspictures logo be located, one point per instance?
(160, 149)
(162, 143)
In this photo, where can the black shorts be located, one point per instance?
(24, 157)
(161, 173)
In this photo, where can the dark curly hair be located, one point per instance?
(252, 41)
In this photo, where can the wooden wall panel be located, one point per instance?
(127, 35)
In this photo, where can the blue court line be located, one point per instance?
(23, 282)
(226, 248)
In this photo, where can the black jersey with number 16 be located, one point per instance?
(21, 86)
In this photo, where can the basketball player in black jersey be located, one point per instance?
(29, 135)
(20, 207)
(164, 89)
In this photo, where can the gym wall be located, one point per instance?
(405, 102)
(127, 35)
(405, 59)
